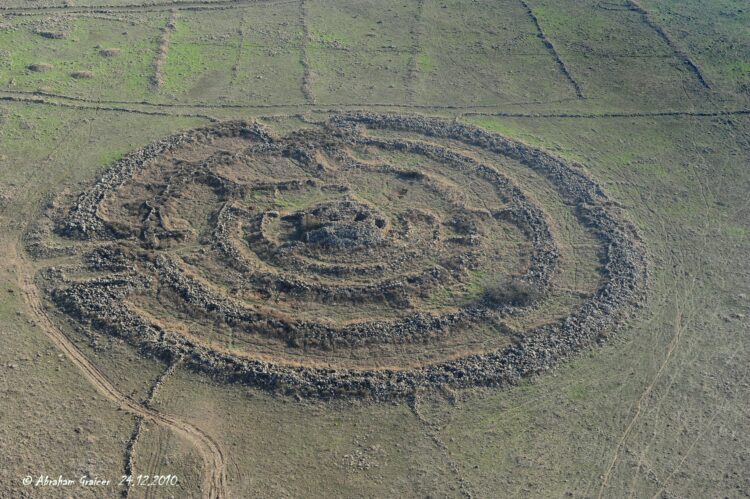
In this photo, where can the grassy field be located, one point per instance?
(661, 410)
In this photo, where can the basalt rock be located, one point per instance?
(337, 219)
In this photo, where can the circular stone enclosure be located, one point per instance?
(368, 256)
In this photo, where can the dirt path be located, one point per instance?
(153, 108)
(138, 429)
(238, 105)
(639, 406)
(678, 328)
(433, 433)
(215, 480)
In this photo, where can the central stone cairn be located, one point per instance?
(339, 225)
(371, 256)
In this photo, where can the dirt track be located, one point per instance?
(155, 108)
(215, 480)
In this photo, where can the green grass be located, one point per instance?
(124, 76)
(326, 40)
(425, 63)
(110, 157)
(505, 127)
(715, 34)
(683, 181)
(194, 66)
(737, 233)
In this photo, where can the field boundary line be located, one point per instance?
(635, 6)
(162, 51)
(412, 69)
(27, 100)
(208, 105)
(39, 98)
(156, 7)
(551, 47)
(138, 427)
(307, 74)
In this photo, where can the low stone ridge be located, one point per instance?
(372, 256)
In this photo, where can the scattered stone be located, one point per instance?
(40, 67)
(110, 52)
(53, 35)
(82, 75)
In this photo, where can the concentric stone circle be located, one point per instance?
(369, 256)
